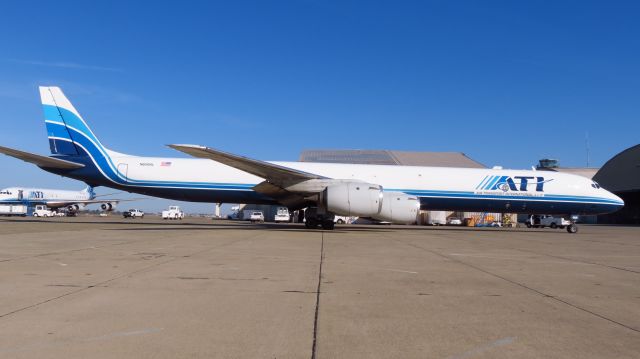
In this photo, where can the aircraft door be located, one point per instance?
(123, 168)
(20, 195)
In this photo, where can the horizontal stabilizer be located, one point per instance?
(273, 173)
(40, 161)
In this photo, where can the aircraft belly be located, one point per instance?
(513, 206)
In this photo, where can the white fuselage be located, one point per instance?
(437, 187)
(395, 178)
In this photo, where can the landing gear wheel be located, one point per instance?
(328, 225)
(553, 225)
(572, 228)
(340, 221)
(528, 225)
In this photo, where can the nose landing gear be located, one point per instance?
(572, 228)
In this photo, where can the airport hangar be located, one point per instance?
(620, 175)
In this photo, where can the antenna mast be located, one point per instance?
(586, 141)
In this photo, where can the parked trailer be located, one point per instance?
(13, 210)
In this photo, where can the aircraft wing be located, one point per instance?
(40, 161)
(58, 204)
(275, 174)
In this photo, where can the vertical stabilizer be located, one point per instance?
(60, 140)
(89, 190)
(68, 133)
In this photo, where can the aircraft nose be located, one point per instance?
(613, 197)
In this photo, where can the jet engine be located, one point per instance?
(75, 207)
(398, 207)
(353, 199)
(109, 206)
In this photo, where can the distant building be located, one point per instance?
(388, 157)
(548, 164)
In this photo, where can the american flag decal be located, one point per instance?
(165, 164)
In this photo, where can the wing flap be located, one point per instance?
(40, 161)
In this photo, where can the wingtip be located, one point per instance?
(177, 146)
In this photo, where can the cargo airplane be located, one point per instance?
(387, 193)
(73, 201)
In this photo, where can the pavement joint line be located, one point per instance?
(616, 243)
(545, 295)
(102, 284)
(444, 232)
(559, 257)
(577, 260)
(314, 347)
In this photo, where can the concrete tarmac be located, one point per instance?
(94, 287)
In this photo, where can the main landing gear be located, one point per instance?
(315, 217)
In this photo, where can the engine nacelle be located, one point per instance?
(74, 207)
(109, 206)
(398, 207)
(353, 199)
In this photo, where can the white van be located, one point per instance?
(42, 211)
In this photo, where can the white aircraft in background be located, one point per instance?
(387, 193)
(73, 201)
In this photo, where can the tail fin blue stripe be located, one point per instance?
(59, 136)
(58, 130)
(69, 119)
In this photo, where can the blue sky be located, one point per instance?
(506, 82)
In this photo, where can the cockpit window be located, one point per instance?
(595, 185)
